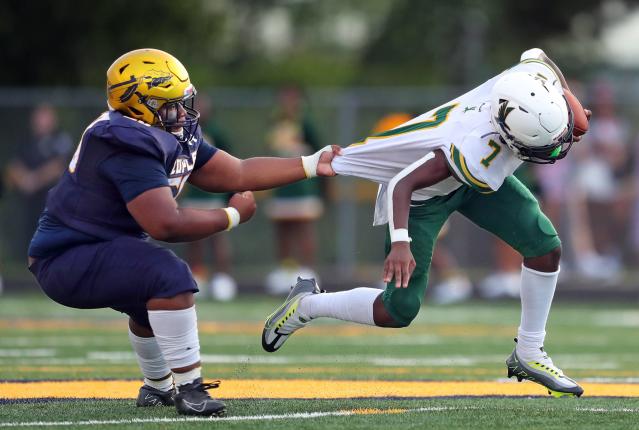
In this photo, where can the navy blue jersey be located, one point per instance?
(118, 158)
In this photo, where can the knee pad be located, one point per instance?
(177, 336)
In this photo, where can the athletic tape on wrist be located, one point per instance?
(400, 235)
(310, 162)
(234, 217)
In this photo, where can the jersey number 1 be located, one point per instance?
(496, 150)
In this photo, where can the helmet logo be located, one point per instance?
(129, 92)
(157, 81)
(503, 113)
(153, 79)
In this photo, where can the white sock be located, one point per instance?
(187, 377)
(537, 291)
(152, 364)
(177, 337)
(353, 305)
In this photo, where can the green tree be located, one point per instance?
(452, 42)
(66, 42)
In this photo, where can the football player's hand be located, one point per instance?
(245, 205)
(324, 167)
(399, 264)
(588, 115)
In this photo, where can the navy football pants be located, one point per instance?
(122, 274)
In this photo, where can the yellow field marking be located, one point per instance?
(307, 389)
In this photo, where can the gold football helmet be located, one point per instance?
(154, 87)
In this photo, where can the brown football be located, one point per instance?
(581, 120)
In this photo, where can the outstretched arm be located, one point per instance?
(224, 172)
(425, 172)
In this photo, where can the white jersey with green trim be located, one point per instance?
(461, 128)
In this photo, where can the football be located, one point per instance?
(581, 120)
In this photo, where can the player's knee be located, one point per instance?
(405, 305)
(548, 262)
(552, 259)
(140, 326)
(554, 256)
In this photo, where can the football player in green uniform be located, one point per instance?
(460, 157)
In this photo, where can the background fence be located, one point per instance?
(349, 247)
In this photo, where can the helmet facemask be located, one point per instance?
(178, 116)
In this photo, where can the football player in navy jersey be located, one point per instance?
(91, 249)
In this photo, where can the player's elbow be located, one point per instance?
(165, 229)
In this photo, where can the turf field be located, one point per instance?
(68, 368)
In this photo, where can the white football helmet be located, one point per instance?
(532, 116)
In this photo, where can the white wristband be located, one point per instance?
(400, 235)
(234, 217)
(310, 162)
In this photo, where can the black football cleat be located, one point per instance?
(149, 396)
(193, 399)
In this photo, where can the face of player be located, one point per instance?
(174, 116)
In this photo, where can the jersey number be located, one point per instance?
(496, 149)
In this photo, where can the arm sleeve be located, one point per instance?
(204, 153)
(133, 174)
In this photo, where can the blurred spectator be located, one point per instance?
(452, 283)
(40, 162)
(293, 208)
(564, 202)
(221, 285)
(603, 177)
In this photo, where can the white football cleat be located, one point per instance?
(287, 319)
(542, 370)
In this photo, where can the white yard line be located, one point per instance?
(445, 361)
(45, 357)
(607, 410)
(300, 415)
(20, 353)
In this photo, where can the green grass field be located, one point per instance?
(330, 375)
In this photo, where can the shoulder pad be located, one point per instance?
(139, 137)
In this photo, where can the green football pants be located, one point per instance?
(512, 213)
